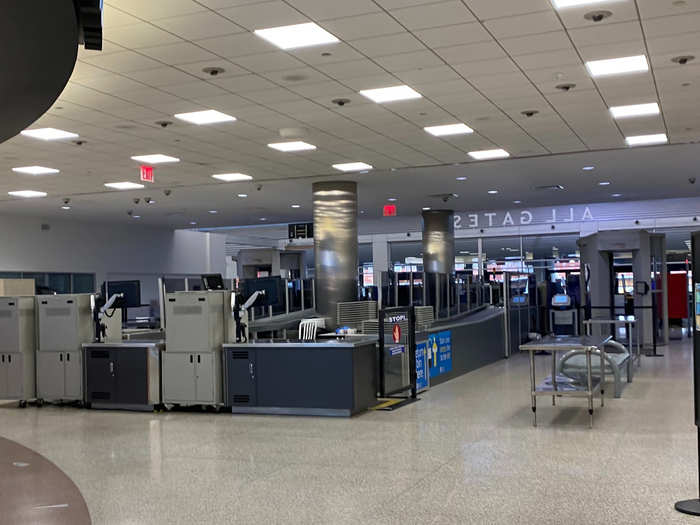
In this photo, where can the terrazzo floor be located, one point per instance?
(465, 453)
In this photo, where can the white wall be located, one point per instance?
(111, 251)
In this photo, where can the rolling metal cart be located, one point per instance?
(565, 386)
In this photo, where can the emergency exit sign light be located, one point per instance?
(390, 210)
(147, 174)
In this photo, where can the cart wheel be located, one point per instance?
(39, 403)
(79, 404)
(88, 405)
(217, 409)
(23, 404)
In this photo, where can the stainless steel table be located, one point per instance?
(629, 321)
(563, 386)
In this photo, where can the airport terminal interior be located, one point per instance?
(350, 262)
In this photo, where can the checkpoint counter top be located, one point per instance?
(292, 377)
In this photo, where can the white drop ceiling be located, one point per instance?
(481, 62)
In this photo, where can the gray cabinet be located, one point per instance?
(241, 383)
(192, 379)
(65, 322)
(122, 375)
(195, 321)
(17, 347)
(59, 376)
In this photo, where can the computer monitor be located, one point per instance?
(272, 286)
(213, 281)
(131, 291)
(561, 300)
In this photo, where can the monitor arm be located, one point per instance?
(100, 312)
(240, 313)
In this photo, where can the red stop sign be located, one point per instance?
(396, 332)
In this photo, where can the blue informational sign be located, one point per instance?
(440, 352)
(421, 367)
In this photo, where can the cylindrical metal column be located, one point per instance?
(438, 241)
(335, 245)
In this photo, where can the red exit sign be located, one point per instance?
(147, 174)
(390, 210)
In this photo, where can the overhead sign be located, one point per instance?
(147, 174)
(303, 230)
(389, 210)
(396, 333)
(503, 219)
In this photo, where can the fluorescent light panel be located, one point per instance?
(643, 140)
(156, 158)
(124, 185)
(209, 116)
(489, 154)
(352, 166)
(27, 194)
(232, 177)
(297, 35)
(617, 66)
(635, 110)
(390, 94)
(449, 129)
(296, 145)
(35, 170)
(49, 134)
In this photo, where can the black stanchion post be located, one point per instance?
(692, 506)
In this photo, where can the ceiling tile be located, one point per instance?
(433, 15)
(197, 26)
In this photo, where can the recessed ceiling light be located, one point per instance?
(35, 170)
(517, 202)
(296, 205)
(604, 183)
(263, 218)
(232, 177)
(449, 129)
(426, 208)
(461, 179)
(193, 223)
(296, 145)
(297, 35)
(489, 154)
(561, 4)
(617, 66)
(493, 192)
(49, 134)
(242, 195)
(635, 110)
(390, 94)
(213, 212)
(642, 140)
(135, 216)
(616, 195)
(392, 199)
(588, 168)
(209, 116)
(352, 166)
(156, 158)
(124, 185)
(27, 194)
(65, 207)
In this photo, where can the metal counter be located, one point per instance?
(291, 377)
(123, 375)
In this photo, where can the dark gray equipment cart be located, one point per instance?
(123, 375)
(292, 377)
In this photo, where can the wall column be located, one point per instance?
(335, 245)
